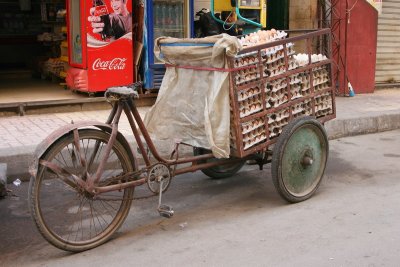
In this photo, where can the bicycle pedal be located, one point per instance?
(165, 211)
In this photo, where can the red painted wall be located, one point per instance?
(362, 25)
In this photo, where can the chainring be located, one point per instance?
(157, 173)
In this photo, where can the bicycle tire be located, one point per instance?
(294, 180)
(219, 172)
(55, 218)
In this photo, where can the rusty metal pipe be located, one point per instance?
(207, 165)
(193, 159)
(94, 179)
(145, 134)
(112, 114)
(136, 134)
(109, 188)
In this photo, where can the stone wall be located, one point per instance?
(302, 15)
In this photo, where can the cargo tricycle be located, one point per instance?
(85, 173)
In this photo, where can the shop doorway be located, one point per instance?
(278, 14)
(32, 43)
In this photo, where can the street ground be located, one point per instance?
(352, 220)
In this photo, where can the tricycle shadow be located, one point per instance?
(197, 200)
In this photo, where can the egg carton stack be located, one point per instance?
(274, 60)
(321, 79)
(323, 105)
(303, 59)
(258, 73)
(253, 132)
(250, 101)
(249, 72)
(302, 109)
(261, 36)
(252, 67)
(249, 98)
(277, 121)
(247, 75)
(320, 74)
(304, 83)
(276, 93)
(273, 65)
(277, 89)
(296, 86)
(271, 89)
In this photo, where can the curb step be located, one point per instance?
(15, 74)
(3, 180)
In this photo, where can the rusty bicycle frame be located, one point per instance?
(126, 105)
(133, 115)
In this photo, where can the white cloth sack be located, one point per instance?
(193, 105)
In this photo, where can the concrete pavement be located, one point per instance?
(19, 136)
(352, 220)
(368, 113)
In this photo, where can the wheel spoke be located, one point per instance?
(77, 146)
(72, 156)
(63, 159)
(92, 219)
(99, 213)
(109, 205)
(62, 173)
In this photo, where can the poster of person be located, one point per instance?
(109, 43)
(108, 20)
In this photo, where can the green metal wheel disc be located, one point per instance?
(303, 160)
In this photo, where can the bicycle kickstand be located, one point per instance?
(164, 210)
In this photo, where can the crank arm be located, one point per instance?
(164, 210)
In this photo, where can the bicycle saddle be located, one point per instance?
(123, 92)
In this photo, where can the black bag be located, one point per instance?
(207, 23)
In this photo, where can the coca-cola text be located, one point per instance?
(114, 64)
(100, 11)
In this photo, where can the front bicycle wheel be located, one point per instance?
(67, 216)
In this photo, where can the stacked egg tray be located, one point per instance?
(268, 89)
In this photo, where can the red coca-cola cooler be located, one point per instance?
(100, 44)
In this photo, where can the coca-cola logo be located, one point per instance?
(100, 11)
(114, 64)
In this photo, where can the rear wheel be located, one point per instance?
(66, 215)
(221, 171)
(299, 159)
